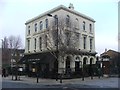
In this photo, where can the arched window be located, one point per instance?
(41, 25)
(35, 27)
(83, 25)
(91, 60)
(84, 61)
(56, 19)
(67, 20)
(90, 27)
(76, 23)
(46, 23)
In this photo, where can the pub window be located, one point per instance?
(36, 27)
(28, 30)
(67, 20)
(35, 44)
(41, 25)
(40, 43)
(46, 23)
(83, 25)
(84, 42)
(90, 27)
(90, 43)
(28, 44)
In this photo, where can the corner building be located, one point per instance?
(60, 40)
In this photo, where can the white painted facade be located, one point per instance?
(77, 23)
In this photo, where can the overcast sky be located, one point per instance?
(14, 14)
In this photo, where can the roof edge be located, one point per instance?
(58, 8)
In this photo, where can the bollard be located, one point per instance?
(37, 78)
(60, 78)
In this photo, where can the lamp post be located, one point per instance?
(57, 52)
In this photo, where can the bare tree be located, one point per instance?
(62, 36)
(14, 45)
(5, 53)
(68, 38)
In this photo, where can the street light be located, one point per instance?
(56, 45)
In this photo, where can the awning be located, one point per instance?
(46, 57)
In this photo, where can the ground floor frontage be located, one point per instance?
(67, 64)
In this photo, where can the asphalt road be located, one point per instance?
(14, 84)
(25, 86)
(95, 84)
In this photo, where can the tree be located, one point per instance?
(68, 38)
(14, 45)
(5, 53)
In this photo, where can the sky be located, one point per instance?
(14, 14)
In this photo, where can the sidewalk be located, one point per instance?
(102, 82)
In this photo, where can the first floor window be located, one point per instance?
(84, 42)
(40, 43)
(67, 39)
(45, 40)
(28, 45)
(35, 44)
(91, 44)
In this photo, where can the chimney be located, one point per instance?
(105, 49)
(71, 6)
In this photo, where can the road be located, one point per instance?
(74, 84)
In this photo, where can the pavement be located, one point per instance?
(103, 82)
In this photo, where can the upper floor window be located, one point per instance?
(28, 30)
(83, 25)
(35, 43)
(67, 39)
(46, 23)
(41, 25)
(56, 19)
(36, 27)
(67, 20)
(84, 42)
(90, 43)
(76, 23)
(90, 27)
(45, 40)
(40, 43)
(28, 42)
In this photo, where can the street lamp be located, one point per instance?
(57, 52)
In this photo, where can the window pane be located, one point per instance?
(40, 43)
(56, 19)
(83, 25)
(90, 44)
(46, 23)
(36, 27)
(90, 27)
(84, 42)
(67, 20)
(28, 30)
(35, 43)
(41, 25)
